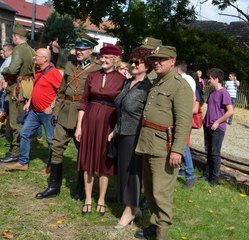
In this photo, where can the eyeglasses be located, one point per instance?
(136, 62)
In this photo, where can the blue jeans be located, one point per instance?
(31, 124)
(39, 132)
(230, 119)
(214, 141)
(188, 164)
(3, 95)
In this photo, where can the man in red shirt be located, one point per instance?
(46, 83)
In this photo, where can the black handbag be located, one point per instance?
(112, 148)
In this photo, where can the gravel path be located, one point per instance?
(236, 141)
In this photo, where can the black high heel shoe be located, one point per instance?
(88, 209)
(99, 208)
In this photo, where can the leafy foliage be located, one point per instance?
(48, 3)
(155, 18)
(203, 51)
(82, 9)
(59, 26)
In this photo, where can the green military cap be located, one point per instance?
(20, 30)
(164, 52)
(85, 42)
(151, 43)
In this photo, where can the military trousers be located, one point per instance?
(15, 108)
(62, 137)
(159, 180)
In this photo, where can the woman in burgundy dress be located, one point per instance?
(96, 121)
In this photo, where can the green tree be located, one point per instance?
(80, 9)
(59, 26)
(48, 3)
(207, 50)
(156, 18)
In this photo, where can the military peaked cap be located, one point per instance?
(151, 43)
(20, 30)
(164, 52)
(85, 42)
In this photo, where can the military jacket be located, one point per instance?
(169, 103)
(66, 111)
(21, 62)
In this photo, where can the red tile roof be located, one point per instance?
(24, 9)
(92, 27)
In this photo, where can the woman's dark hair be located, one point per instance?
(216, 73)
(194, 75)
(142, 54)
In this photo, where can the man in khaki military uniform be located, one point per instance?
(167, 121)
(66, 112)
(19, 72)
(151, 43)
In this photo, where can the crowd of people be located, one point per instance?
(143, 109)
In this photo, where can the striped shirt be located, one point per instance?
(231, 88)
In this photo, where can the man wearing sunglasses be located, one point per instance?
(167, 120)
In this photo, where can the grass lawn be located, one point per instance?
(201, 213)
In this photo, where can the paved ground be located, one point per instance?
(236, 141)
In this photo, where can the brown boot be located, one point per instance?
(17, 166)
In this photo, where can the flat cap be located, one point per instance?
(164, 52)
(20, 30)
(85, 42)
(151, 43)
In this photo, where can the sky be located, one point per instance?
(207, 11)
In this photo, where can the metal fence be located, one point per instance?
(242, 95)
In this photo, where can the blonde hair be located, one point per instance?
(117, 61)
(198, 72)
(123, 65)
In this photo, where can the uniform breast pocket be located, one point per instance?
(164, 99)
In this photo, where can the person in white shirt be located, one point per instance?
(232, 87)
(181, 68)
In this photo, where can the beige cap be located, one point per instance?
(151, 43)
(20, 31)
(164, 52)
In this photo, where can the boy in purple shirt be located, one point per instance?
(219, 109)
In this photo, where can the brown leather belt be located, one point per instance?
(24, 77)
(76, 98)
(155, 126)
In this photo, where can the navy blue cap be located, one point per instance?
(85, 42)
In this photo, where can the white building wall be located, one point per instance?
(102, 39)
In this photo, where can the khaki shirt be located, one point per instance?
(67, 110)
(169, 103)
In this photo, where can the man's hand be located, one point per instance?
(26, 106)
(215, 126)
(175, 159)
(48, 110)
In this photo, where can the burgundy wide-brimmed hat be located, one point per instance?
(111, 50)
